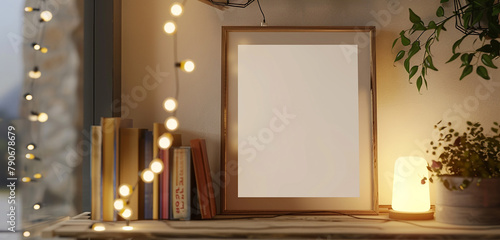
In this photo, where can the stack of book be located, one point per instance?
(119, 153)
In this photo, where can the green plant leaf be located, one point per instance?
(443, 1)
(394, 43)
(419, 27)
(400, 55)
(414, 18)
(407, 65)
(413, 70)
(467, 70)
(428, 63)
(440, 11)
(486, 48)
(455, 56)
(465, 59)
(457, 44)
(495, 130)
(415, 47)
(419, 83)
(432, 25)
(488, 61)
(481, 71)
(405, 41)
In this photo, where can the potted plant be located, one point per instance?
(474, 18)
(467, 165)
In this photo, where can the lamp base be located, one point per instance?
(411, 216)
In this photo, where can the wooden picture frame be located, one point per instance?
(309, 71)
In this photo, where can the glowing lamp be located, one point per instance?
(126, 213)
(119, 204)
(42, 117)
(37, 175)
(26, 234)
(31, 146)
(37, 206)
(28, 96)
(128, 228)
(35, 73)
(410, 198)
(26, 179)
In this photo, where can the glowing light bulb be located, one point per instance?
(172, 123)
(37, 206)
(26, 234)
(35, 73)
(126, 212)
(28, 9)
(30, 156)
(31, 146)
(169, 27)
(187, 66)
(125, 190)
(37, 175)
(98, 227)
(44, 50)
(46, 16)
(28, 96)
(147, 175)
(156, 165)
(119, 204)
(170, 104)
(36, 46)
(176, 9)
(43, 117)
(128, 228)
(165, 140)
(33, 117)
(26, 179)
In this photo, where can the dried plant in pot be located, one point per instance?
(466, 168)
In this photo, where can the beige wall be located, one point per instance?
(405, 117)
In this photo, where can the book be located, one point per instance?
(158, 130)
(208, 175)
(166, 155)
(201, 180)
(181, 184)
(110, 128)
(96, 173)
(148, 187)
(132, 149)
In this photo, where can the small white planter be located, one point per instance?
(476, 205)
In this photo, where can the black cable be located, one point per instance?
(263, 16)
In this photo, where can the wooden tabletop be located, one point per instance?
(272, 227)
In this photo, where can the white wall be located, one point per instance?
(405, 117)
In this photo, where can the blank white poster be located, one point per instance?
(298, 127)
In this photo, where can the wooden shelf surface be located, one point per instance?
(268, 227)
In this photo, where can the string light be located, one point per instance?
(172, 123)
(44, 50)
(37, 206)
(46, 16)
(98, 227)
(170, 104)
(28, 96)
(126, 212)
(37, 175)
(176, 9)
(31, 146)
(147, 175)
(165, 140)
(36, 46)
(35, 73)
(125, 190)
(186, 65)
(33, 117)
(42, 117)
(26, 179)
(26, 234)
(156, 165)
(169, 27)
(30, 156)
(119, 204)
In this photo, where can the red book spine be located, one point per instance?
(201, 180)
(206, 166)
(165, 180)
